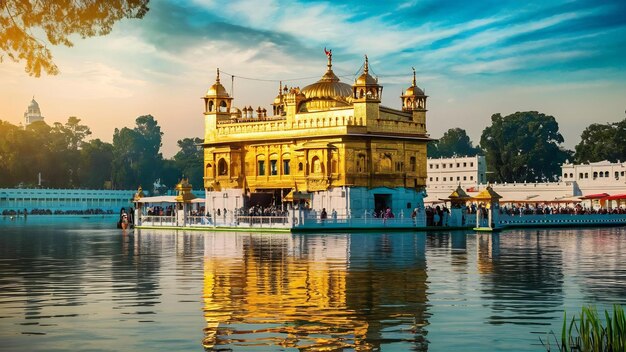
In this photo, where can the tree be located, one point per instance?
(96, 159)
(523, 147)
(59, 20)
(432, 151)
(136, 154)
(189, 160)
(455, 142)
(9, 157)
(602, 142)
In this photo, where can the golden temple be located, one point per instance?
(330, 141)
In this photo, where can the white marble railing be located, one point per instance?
(350, 222)
(156, 220)
(561, 219)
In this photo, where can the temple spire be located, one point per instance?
(367, 66)
(329, 55)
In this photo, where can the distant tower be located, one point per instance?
(33, 113)
(414, 101)
(217, 105)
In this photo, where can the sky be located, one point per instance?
(474, 59)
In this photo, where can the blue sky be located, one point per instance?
(563, 58)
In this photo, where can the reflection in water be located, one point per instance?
(526, 280)
(599, 255)
(314, 291)
(175, 290)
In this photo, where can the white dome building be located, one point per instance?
(33, 113)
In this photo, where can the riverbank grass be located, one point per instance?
(589, 333)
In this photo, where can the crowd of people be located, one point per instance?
(36, 211)
(437, 216)
(544, 209)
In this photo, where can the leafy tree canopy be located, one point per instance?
(21, 21)
(136, 154)
(455, 142)
(189, 160)
(602, 142)
(523, 147)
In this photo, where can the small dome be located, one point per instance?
(366, 79)
(278, 100)
(33, 107)
(218, 90)
(414, 90)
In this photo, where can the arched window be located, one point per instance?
(361, 165)
(222, 167)
(211, 105)
(317, 167)
(606, 174)
(300, 167)
(385, 163)
(223, 106)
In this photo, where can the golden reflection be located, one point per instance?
(488, 250)
(312, 292)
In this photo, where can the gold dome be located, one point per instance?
(413, 89)
(328, 87)
(217, 89)
(365, 78)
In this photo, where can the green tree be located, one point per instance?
(432, 151)
(455, 142)
(189, 160)
(59, 20)
(10, 135)
(136, 154)
(602, 142)
(523, 147)
(125, 159)
(96, 158)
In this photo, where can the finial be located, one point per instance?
(217, 79)
(280, 87)
(329, 55)
(367, 66)
(414, 83)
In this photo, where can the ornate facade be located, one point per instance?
(332, 141)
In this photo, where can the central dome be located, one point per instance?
(328, 86)
(326, 93)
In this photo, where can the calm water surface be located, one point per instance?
(78, 284)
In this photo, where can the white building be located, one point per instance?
(598, 177)
(467, 171)
(445, 174)
(33, 113)
(64, 199)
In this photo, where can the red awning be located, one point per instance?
(616, 197)
(595, 196)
